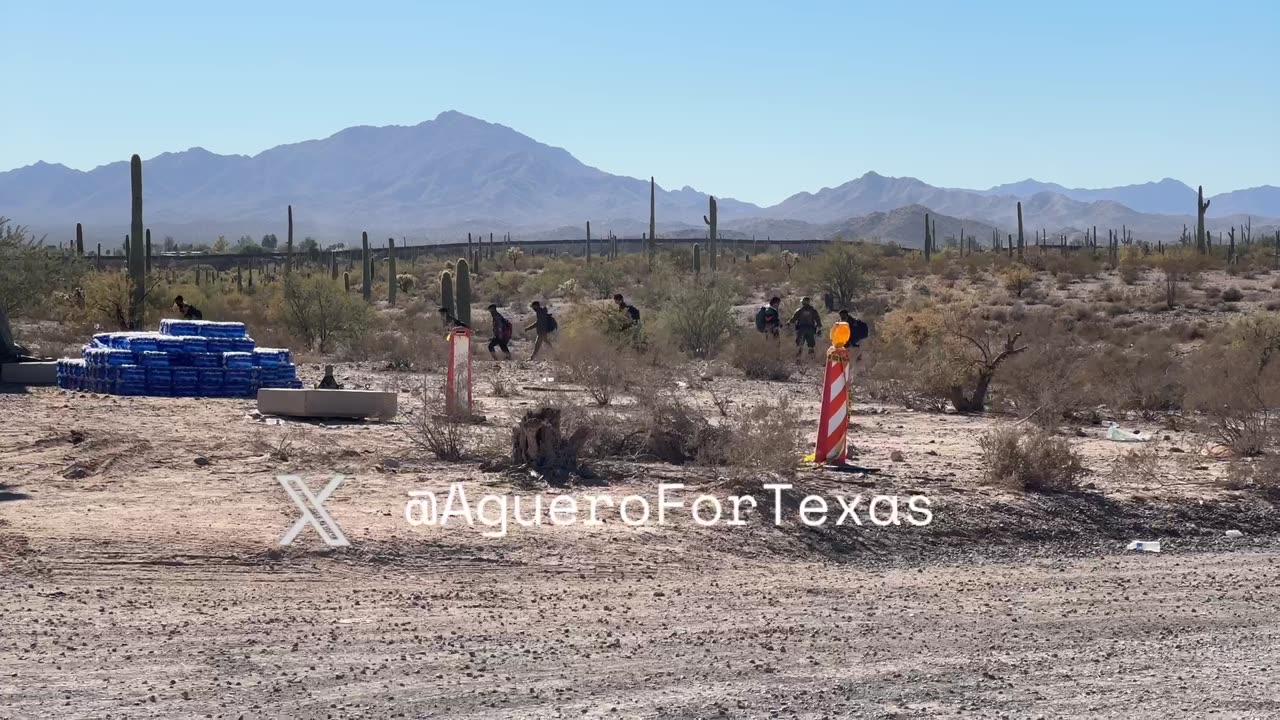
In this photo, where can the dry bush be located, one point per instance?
(594, 361)
(761, 356)
(943, 352)
(1232, 294)
(1031, 460)
(763, 439)
(438, 429)
(410, 342)
(1017, 279)
(1130, 273)
(1212, 292)
(1235, 385)
(1052, 379)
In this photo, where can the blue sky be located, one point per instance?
(752, 100)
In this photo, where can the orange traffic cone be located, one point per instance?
(833, 423)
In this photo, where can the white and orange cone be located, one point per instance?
(833, 424)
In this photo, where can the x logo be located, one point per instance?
(302, 497)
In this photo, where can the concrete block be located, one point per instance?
(30, 373)
(328, 403)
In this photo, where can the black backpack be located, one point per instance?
(551, 323)
(634, 313)
(858, 331)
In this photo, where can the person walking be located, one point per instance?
(543, 325)
(501, 334)
(807, 322)
(768, 319)
(858, 330)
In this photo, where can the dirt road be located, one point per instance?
(140, 578)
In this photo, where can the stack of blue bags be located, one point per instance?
(187, 358)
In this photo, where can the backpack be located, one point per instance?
(634, 313)
(504, 329)
(760, 319)
(858, 331)
(551, 323)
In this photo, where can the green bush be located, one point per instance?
(320, 313)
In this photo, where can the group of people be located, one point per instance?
(807, 322)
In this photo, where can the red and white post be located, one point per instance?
(458, 381)
(833, 423)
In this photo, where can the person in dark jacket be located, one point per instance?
(807, 323)
(189, 311)
(543, 325)
(501, 333)
(768, 319)
(632, 313)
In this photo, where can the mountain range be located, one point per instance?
(456, 174)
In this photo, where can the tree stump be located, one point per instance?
(536, 442)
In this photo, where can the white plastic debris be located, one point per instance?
(1234, 534)
(1116, 434)
(1145, 546)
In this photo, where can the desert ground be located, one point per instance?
(142, 577)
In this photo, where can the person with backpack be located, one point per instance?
(858, 330)
(807, 322)
(501, 333)
(632, 313)
(768, 320)
(543, 325)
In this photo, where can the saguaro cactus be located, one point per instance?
(653, 222)
(1020, 237)
(239, 280)
(97, 258)
(711, 222)
(148, 249)
(137, 250)
(366, 271)
(1201, 206)
(697, 260)
(928, 239)
(79, 240)
(462, 291)
(446, 291)
(391, 271)
(333, 265)
(588, 241)
(288, 244)
(346, 280)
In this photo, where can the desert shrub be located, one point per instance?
(601, 280)
(1052, 378)
(1017, 279)
(437, 429)
(1232, 294)
(761, 356)
(412, 342)
(1130, 273)
(947, 351)
(1213, 292)
(107, 298)
(405, 282)
(844, 270)
(700, 317)
(1145, 378)
(1030, 460)
(763, 439)
(1064, 279)
(320, 313)
(594, 360)
(1235, 383)
(32, 273)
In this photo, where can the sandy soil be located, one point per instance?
(141, 578)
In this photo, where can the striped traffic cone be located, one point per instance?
(834, 420)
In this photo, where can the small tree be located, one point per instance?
(1018, 278)
(700, 317)
(841, 272)
(514, 254)
(319, 312)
